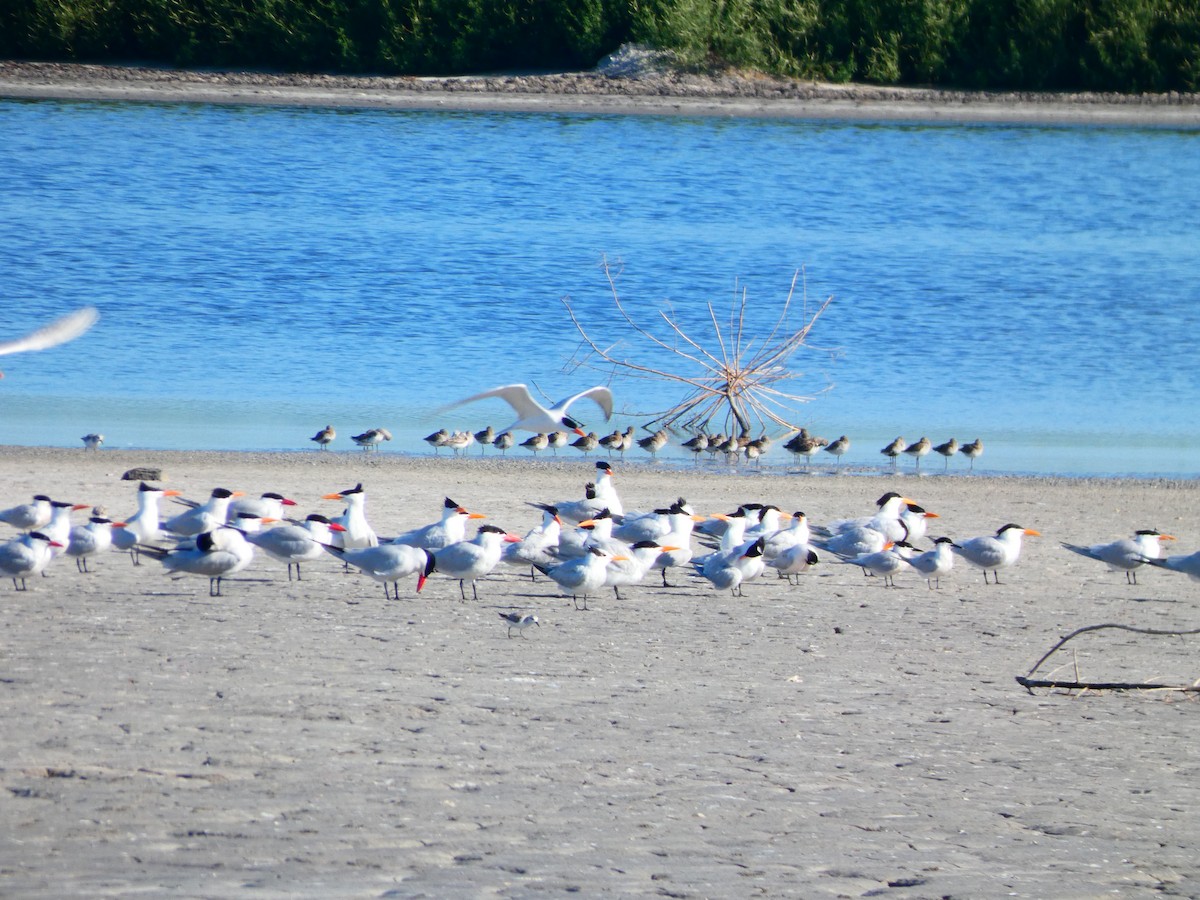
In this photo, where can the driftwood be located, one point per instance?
(1029, 682)
(736, 375)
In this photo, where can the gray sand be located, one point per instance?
(835, 738)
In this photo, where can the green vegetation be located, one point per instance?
(1101, 45)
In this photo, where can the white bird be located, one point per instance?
(582, 575)
(324, 437)
(794, 560)
(572, 512)
(532, 416)
(473, 559)
(1189, 565)
(270, 505)
(728, 571)
(1128, 554)
(28, 516)
(683, 522)
(995, 552)
(539, 544)
(388, 563)
(58, 529)
(796, 534)
(92, 441)
(216, 555)
(356, 532)
(653, 525)
(639, 559)
(296, 543)
(449, 529)
(143, 527)
(519, 621)
(886, 562)
(24, 556)
(208, 516)
(61, 330)
(935, 563)
(88, 540)
(594, 532)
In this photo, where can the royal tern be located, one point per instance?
(583, 575)
(838, 448)
(143, 527)
(270, 505)
(519, 621)
(61, 330)
(947, 450)
(594, 532)
(356, 532)
(532, 416)
(28, 516)
(473, 559)
(296, 543)
(995, 552)
(885, 563)
(729, 571)
(90, 540)
(539, 545)
(25, 556)
(216, 555)
(639, 558)
(58, 529)
(449, 529)
(92, 441)
(388, 563)
(919, 449)
(1189, 565)
(653, 525)
(324, 437)
(794, 560)
(1128, 554)
(783, 539)
(207, 516)
(935, 563)
(683, 521)
(972, 451)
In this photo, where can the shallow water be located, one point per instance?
(262, 272)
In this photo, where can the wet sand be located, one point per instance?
(834, 738)
(646, 93)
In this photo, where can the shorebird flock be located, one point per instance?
(582, 547)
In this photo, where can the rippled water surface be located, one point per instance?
(262, 272)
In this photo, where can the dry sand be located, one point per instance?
(836, 738)
(652, 92)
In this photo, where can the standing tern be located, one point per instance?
(356, 531)
(28, 516)
(143, 527)
(449, 529)
(582, 575)
(91, 539)
(294, 544)
(935, 563)
(473, 559)
(61, 330)
(1128, 554)
(995, 552)
(532, 416)
(388, 563)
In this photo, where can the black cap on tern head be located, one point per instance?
(449, 504)
(604, 466)
(890, 495)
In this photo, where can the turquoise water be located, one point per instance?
(263, 272)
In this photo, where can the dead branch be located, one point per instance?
(1028, 682)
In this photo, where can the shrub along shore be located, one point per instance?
(1124, 46)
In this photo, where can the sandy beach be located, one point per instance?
(642, 93)
(833, 738)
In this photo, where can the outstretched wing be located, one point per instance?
(601, 395)
(1082, 551)
(515, 395)
(57, 332)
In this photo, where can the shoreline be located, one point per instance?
(661, 93)
(831, 738)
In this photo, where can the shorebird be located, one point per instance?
(371, 438)
(485, 437)
(24, 556)
(1128, 554)
(995, 552)
(92, 441)
(894, 449)
(654, 442)
(947, 450)
(806, 445)
(437, 440)
(504, 442)
(696, 445)
(587, 443)
(972, 451)
(613, 442)
(519, 621)
(532, 416)
(460, 442)
(557, 439)
(324, 437)
(61, 330)
(537, 443)
(918, 449)
(838, 448)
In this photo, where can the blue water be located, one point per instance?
(263, 272)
